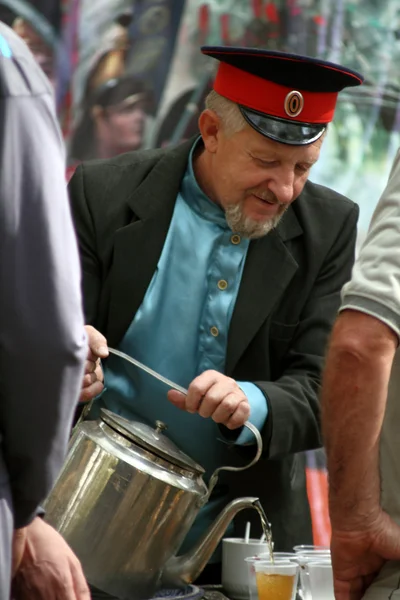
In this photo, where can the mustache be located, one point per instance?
(267, 196)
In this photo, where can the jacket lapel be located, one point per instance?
(267, 272)
(138, 246)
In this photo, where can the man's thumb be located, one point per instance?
(97, 342)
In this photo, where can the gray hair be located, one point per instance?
(228, 111)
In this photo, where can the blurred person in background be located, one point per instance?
(42, 340)
(115, 105)
(113, 120)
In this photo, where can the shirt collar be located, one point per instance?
(194, 196)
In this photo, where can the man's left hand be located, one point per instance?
(18, 548)
(214, 395)
(49, 570)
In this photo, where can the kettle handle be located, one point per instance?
(215, 475)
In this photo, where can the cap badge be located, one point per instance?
(294, 103)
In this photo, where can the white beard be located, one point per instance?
(247, 227)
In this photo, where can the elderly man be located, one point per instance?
(42, 340)
(219, 265)
(361, 414)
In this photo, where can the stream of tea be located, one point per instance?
(266, 527)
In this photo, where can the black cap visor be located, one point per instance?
(293, 133)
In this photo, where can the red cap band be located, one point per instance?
(271, 98)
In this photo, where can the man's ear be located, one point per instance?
(210, 127)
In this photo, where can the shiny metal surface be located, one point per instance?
(187, 569)
(125, 511)
(214, 477)
(151, 439)
(151, 372)
(175, 386)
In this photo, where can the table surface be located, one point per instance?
(211, 592)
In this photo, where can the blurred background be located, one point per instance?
(128, 74)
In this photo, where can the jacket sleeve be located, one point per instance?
(87, 241)
(293, 423)
(42, 339)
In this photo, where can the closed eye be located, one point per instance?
(266, 163)
(303, 168)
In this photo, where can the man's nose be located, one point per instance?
(282, 185)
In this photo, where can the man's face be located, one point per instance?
(255, 179)
(122, 128)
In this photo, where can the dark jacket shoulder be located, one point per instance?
(108, 183)
(131, 166)
(319, 197)
(322, 214)
(124, 161)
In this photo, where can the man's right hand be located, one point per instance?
(93, 379)
(359, 554)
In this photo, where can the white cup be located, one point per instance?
(320, 579)
(235, 575)
(316, 577)
(304, 555)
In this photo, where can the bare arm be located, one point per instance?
(353, 406)
(354, 398)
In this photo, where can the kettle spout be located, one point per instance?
(185, 569)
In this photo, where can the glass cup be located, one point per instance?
(235, 574)
(272, 580)
(278, 556)
(305, 554)
(311, 549)
(320, 579)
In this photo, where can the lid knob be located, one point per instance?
(160, 427)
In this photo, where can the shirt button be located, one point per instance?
(222, 284)
(235, 239)
(214, 331)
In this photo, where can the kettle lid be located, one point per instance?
(150, 439)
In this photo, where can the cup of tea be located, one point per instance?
(273, 580)
(278, 556)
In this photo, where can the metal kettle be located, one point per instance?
(124, 501)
